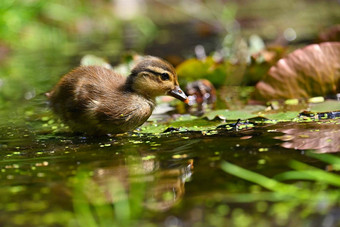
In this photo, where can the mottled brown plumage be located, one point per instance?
(96, 100)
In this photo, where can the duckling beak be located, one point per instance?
(178, 94)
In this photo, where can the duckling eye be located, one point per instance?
(165, 76)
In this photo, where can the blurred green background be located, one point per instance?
(42, 40)
(43, 167)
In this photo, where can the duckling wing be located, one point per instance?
(80, 92)
(121, 114)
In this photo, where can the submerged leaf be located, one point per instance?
(307, 72)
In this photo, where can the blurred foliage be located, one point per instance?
(271, 20)
(195, 69)
(43, 37)
(261, 61)
(41, 40)
(38, 24)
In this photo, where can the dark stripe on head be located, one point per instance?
(149, 61)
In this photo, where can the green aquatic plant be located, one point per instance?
(310, 189)
(91, 207)
(107, 202)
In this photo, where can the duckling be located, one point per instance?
(96, 100)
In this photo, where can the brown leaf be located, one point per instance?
(307, 72)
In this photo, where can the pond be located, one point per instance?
(251, 173)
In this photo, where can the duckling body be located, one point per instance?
(96, 100)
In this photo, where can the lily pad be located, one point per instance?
(208, 121)
(183, 123)
(230, 115)
(329, 105)
(282, 116)
(307, 72)
(213, 119)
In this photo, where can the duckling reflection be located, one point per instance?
(164, 182)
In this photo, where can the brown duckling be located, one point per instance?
(96, 100)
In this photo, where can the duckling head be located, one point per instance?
(152, 77)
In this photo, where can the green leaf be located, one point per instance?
(230, 114)
(307, 172)
(282, 116)
(194, 69)
(265, 182)
(327, 106)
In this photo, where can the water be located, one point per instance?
(172, 179)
